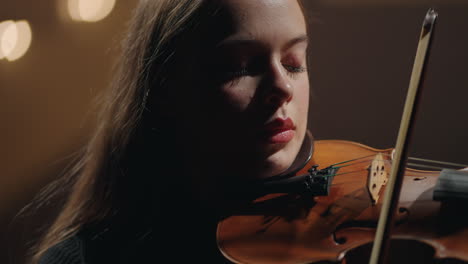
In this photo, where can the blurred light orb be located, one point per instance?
(15, 39)
(90, 10)
(8, 37)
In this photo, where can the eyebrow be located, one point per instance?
(242, 41)
(296, 40)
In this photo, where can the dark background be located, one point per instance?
(362, 57)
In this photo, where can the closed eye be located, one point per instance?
(237, 73)
(293, 71)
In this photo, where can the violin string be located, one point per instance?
(346, 161)
(439, 162)
(361, 170)
(425, 166)
(346, 182)
(360, 162)
(348, 172)
(433, 161)
(409, 158)
(411, 164)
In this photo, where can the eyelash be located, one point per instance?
(238, 74)
(292, 71)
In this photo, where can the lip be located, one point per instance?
(279, 130)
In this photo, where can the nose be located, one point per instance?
(278, 86)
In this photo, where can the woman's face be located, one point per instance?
(251, 116)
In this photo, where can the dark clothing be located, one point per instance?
(69, 251)
(193, 242)
(158, 219)
(174, 229)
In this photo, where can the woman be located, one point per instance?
(208, 95)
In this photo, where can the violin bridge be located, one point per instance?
(377, 177)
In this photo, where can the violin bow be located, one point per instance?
(392, 191)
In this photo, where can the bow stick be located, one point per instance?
(392, 192)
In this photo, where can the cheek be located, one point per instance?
(238, 95)
(302, 98)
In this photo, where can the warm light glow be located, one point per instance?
(8, 37)
(24, 41)
(90, 10)
(15, 39)
(73, 9)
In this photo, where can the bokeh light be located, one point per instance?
(6, 28)
(90, 10)
(15, 39)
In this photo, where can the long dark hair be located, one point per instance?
(148, 52)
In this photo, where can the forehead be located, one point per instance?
(265, 18)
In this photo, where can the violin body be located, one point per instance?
(291, 228)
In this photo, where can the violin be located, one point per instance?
(331, 222)
(333, 214)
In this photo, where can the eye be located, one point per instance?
(249, 68)
(235, 74)
(293, 71)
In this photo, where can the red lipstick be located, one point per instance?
(279, 130)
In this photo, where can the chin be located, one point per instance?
(280, 158)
